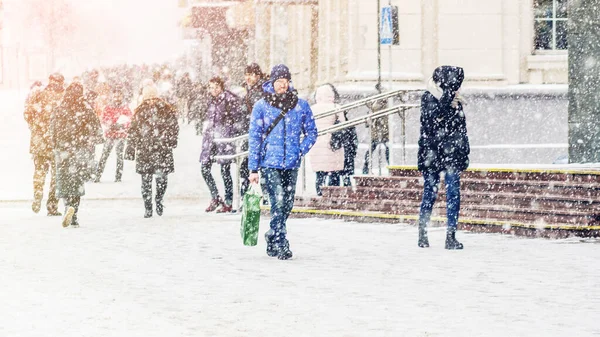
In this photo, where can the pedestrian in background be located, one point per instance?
(116, 120)
(325, 161)
(151, 139)
(75, 129)
(224, 120)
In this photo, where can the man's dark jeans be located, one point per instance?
(281, 186)
(432, 179)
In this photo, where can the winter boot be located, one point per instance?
(423, 239)
(148, 206)
(271, 248)
(159, 208)
(68, 218)
(75, 222)
(451, 242)
(36, 205)
(283, 251)
(214, 204)
(54, 212)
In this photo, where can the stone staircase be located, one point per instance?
(543, 202)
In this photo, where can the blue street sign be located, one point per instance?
(387, 26)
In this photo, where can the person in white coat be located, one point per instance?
(325, 161)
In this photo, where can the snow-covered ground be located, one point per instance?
(188, 274)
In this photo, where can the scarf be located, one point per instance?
(437, 92)
(285, 102)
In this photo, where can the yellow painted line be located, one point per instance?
(509, 170)
(441, 219)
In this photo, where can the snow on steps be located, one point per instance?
(523, 201)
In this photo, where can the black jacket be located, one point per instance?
(153, 134)
(443, 143)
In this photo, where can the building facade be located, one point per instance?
(498, 42)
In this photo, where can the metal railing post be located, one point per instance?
(237, 195)
(370, 163)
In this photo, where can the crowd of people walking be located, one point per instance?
(68, 121)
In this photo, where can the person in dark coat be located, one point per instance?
(350, 145)
(75, 130)
(443, 147)
(224, 120)
(38, 111)
(151, 139)
(253, 86)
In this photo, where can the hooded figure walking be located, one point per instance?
(282, 130)
(152, 137)
(75, 130)
(443, 147)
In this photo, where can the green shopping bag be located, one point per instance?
(251, 216)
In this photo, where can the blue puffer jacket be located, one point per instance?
(291, 139)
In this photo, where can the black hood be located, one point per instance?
(449, 77)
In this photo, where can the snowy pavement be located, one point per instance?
(188, 274)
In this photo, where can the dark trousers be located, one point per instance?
(432, 180)
(43, 164)
(374, 144)
(119, 145)
(281, 185)
(212, 185)
(334, 180)
(161, 188)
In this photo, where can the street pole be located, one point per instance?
(390, 103)
(378, 86)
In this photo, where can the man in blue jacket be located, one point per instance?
(282, 130)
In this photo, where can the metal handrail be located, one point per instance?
(363, 101)
(232, 156)
(337, 110)
(230, 140)
(331, 129)
(363, 119)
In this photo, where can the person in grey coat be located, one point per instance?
(75, 130)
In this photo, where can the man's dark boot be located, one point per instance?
(451, 242)
(271, 248)
(423, 239)
(283, 251)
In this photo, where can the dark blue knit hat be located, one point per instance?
(280, 71)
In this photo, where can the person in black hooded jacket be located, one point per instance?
(443, 147)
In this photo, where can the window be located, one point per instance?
(550, 24)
